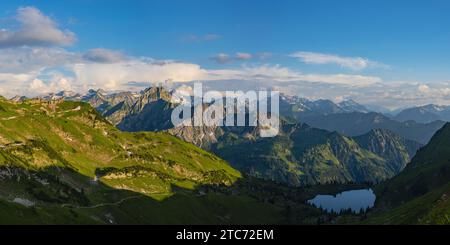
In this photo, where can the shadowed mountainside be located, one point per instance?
(420, 194)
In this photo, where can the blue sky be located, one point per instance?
(397, 41)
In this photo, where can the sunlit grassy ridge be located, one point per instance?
(38, 134)
(62, 163)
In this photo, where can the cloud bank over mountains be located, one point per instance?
(34, 60)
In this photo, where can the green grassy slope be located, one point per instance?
(62, 163)
(420, 193)
(58, 157)
(430, 208)
(36, 135)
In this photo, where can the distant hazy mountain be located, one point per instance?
(301, 108)
(351, 106)
(114, 106)
(357, 123)
(424, 114)
(65, 94)
(18, 98)
(379, 109)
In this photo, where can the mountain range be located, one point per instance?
(64, 161)
(61, 162)
(299, 155)
(356, 123)
(290, 106)
(300, 108)
(424, 114)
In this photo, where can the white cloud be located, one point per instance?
(59, 69)
(354, 63)
(345, 79)
(221, 58)
(118, 75)
(36, 29)
(282, 74)
(104, 55)
(423, 88)
(339, 98)
(38, 85)
(15, 78)
(263, 55)
(33, 59)
(56, 83)
(243, 56)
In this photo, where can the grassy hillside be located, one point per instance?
(56, 157)
(36, 135)
(420, 193)
(430, 208)
(62, 163)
